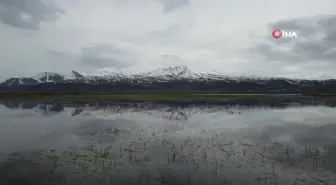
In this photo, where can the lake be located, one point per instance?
(269, 141)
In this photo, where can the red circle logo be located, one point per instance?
(276, 33)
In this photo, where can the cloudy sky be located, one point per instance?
(229, 36)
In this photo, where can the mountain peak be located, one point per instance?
(48, 77)
(75, 74)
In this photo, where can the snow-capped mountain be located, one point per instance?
(158, 75)
(45, 77)
(161, 74)
(178, 78)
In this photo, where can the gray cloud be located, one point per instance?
(171, 5)
(62, 54)
(28, 14)
(98, 56)
(316, 41)
(107, 56)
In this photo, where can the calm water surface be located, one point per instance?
(238, 142)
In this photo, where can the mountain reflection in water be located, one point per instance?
(235, 142)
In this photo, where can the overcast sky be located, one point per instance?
(229, 36)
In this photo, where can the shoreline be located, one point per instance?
(146, 96)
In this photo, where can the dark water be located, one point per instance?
(238, 142)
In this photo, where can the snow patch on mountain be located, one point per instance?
(73, 75)
(46, 77)
(19, 81)
(171, 73)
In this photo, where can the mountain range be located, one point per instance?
(171, 79)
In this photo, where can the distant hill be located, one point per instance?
(172, 79)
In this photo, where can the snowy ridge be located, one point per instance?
(158, 75)
(73, 75)
(47, 77)
(177, 72)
